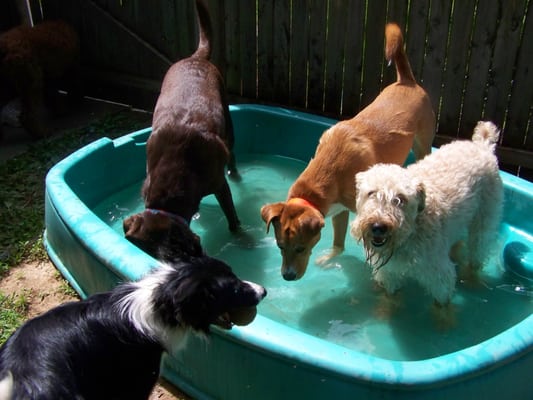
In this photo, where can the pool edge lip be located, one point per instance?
(352, 364)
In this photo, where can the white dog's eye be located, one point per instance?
(398, 201)
(371, 193)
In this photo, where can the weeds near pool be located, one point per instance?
(13, 311)
(65, 287)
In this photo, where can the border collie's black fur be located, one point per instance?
(109, 346)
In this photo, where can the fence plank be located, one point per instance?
(397, 11)
(373, 59)
(266, 63)
(454, 75)
(299, 50)
(518, 124)
(218, 22)
(145, 16)
(436, 50)
(415, 36)
(178, 36)
(248, 61)
(106, 38)
(337, 21)
(353, 63)
(507, 40)
(481, 46)
(232, 46)
(317, 51)
(280, 58)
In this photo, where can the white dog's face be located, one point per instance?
(388, 200)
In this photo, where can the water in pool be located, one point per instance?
(339, 303)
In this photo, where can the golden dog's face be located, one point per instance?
(297, 229)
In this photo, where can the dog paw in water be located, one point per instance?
(387, 304)
(444, 316)
(324, 260)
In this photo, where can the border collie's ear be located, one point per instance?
(183, 300)
(271, 211)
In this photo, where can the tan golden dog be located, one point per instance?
(399, 119)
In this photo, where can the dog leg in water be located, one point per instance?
(225, 200)
(340, 226)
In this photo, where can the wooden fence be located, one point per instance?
(474, 57)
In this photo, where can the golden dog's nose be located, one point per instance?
(289, 274)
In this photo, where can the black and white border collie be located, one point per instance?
(109, 346)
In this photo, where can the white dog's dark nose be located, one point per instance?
(379, 229)
(379, 234)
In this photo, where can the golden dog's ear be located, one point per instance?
(271, 211)
(421, 196)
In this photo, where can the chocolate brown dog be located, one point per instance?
(399, 119)
(32, 62)
(191, 142)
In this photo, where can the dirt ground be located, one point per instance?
(44, 288)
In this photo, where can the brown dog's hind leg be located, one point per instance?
(233, 173)
(225, 200)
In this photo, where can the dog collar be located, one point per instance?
(302, 202)
(173, 216)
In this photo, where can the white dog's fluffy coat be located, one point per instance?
(418, 222)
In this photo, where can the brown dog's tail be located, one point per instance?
(205, 31)
(394, 51)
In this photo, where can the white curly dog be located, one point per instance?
(419, 222)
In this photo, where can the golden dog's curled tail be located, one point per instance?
(394, 51)
(487, 133)
(205, 31)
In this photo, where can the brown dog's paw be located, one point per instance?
(323, 260)
(235, 226)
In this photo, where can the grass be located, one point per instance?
(22, 180)
(13, 310)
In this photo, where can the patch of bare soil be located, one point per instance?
(44, 288)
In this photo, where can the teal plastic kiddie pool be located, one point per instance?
(327, 335)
